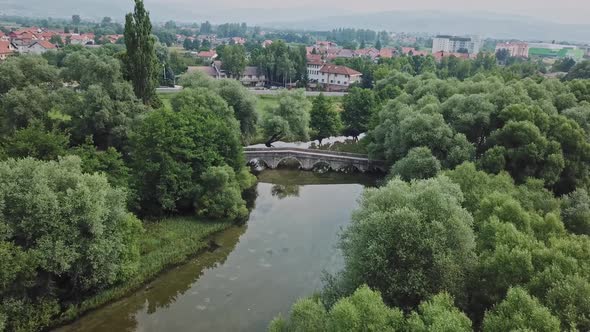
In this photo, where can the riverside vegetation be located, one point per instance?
(484, 223)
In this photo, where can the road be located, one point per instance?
(260, 92)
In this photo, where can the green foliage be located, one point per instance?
(234, 60)
(364, 310)
(220, 195)
(19, 72)
(141, 64)
(172, 148)
(520, 312)
(65, 234)
(575, 211)
(438, 314)
(410, 241)
(505, 124)
(35, 142)
(580, 71)
(358, 107)
(235, 95)
(243, 104)
(418, 164)
(324, 119)
(288, 120)
(108, 162)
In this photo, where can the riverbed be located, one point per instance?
(259, 269)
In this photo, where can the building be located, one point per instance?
(210, 55)
(454, 44)
(251, 77)
(6, 49)
(314, 64)
(266, 43)
(335, 77)
(516, 49)
(39, 47)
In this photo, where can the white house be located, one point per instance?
(313, 69)
(338, 77)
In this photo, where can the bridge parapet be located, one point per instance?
(309, 158)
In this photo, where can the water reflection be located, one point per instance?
(258, 271)
(285, 190)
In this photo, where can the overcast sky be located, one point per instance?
(564, 11)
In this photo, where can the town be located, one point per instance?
(317, 61)
(360, 166)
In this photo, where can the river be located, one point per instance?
(260, 268)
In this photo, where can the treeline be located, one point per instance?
(484, 222)
(348, 35)
(84, 153)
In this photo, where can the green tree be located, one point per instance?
(171, 149)
(358, 107)
(76, 20)
(410, 241)
(66, 234)
(520, 312)
(580, 71)
(575, 211)
(324, 119)
(418, 164)
(108, 162)
(288, 120)
(56, 40)
(141, 65)
(244, 105)
(438, 314)
(35, 142)
(234, 60)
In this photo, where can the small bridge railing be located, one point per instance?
(308, 151)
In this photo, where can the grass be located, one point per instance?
(164, 244)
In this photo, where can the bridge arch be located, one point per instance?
(283, 160)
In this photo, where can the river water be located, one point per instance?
(260, 268)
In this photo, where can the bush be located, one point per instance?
(418, 164)
(64, 235)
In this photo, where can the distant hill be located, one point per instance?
(479, 23)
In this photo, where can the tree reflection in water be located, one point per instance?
(285, 190)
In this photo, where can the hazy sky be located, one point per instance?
(573, 11)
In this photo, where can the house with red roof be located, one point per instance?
(266, 43)
(207, 55)
(39, 47)
(337, 78)
(371, 53)
(4, 37)
(6, 49)
(386, 53)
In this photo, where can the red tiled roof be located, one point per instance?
(207, 54)
(5, 47)
(341, 70)
(45, 44)
(387, 52)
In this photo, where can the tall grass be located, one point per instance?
(164, 244)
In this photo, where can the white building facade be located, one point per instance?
(454, 44)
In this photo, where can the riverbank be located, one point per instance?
(165, 244)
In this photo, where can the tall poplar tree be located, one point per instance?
(140, 61)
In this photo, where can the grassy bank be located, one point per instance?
(164, 244)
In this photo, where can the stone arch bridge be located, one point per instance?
(310, 158)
